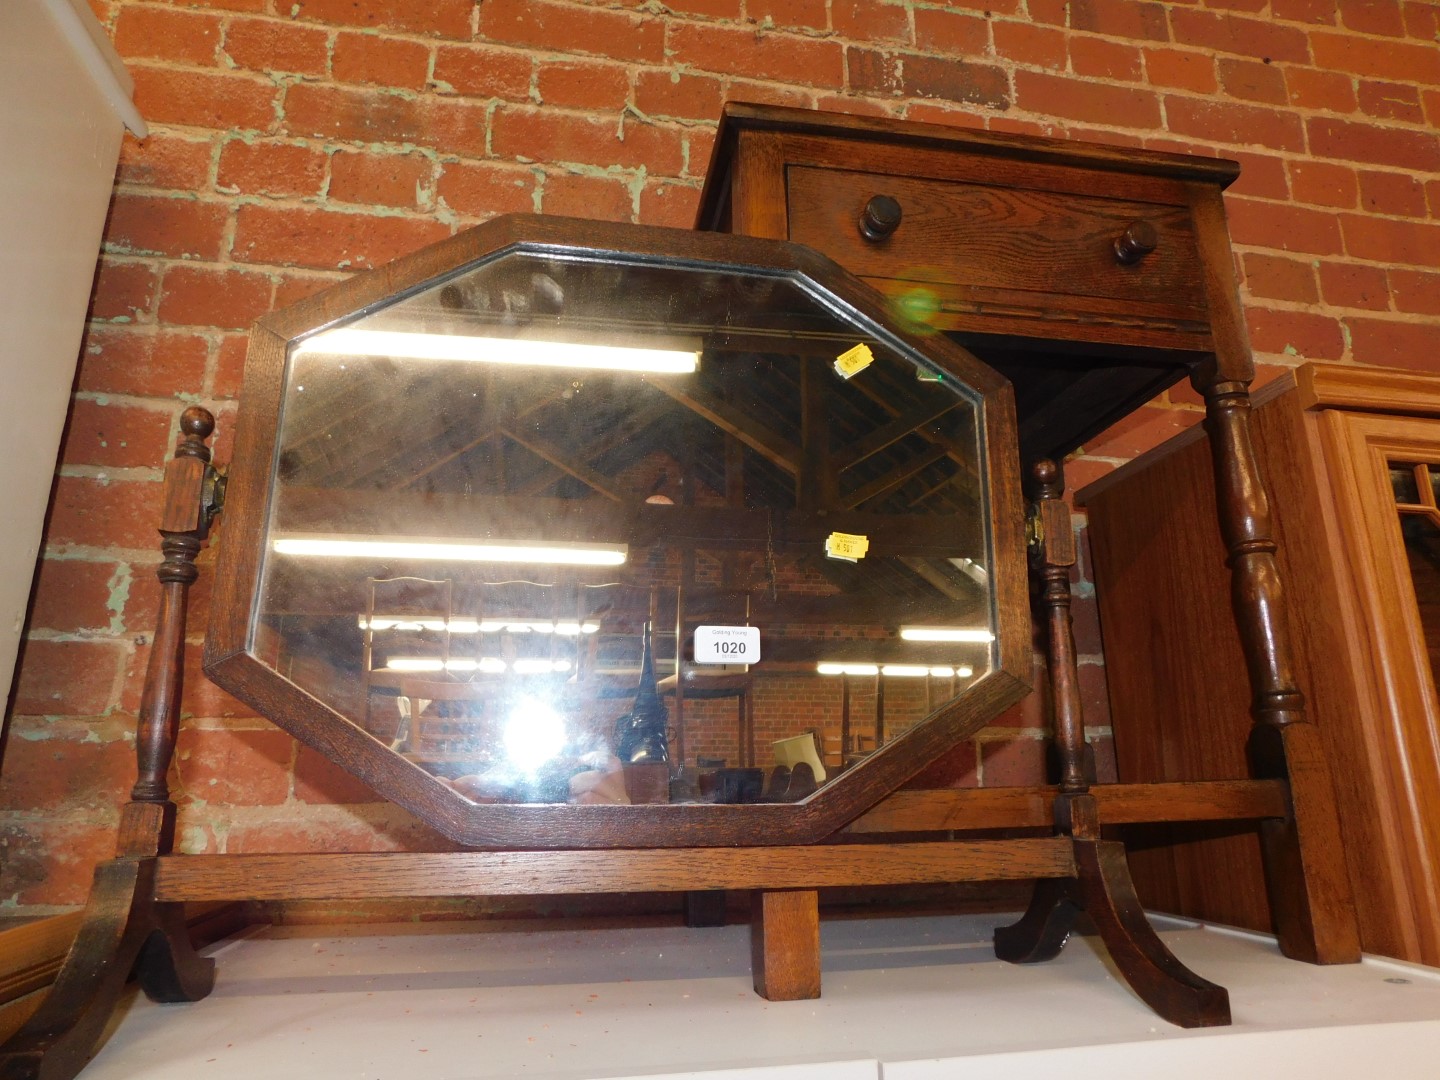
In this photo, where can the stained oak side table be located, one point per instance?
(1093, 277)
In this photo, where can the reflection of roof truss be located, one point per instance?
(789, 451)
(717, 528)
(770, 446)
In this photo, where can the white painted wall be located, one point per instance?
(64, 104)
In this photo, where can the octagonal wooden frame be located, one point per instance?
(228, 663)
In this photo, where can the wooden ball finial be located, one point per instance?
(1047, 479)
(197, 423)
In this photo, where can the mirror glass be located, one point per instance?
(565, 528)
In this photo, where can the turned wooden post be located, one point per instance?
(1054, 555)
(147, 825)
(1102, 886)
(125, 930)
(1304, 860)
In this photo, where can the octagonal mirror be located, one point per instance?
(567, 534)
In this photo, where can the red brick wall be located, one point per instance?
(296, 140)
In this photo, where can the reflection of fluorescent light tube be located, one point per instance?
(488, 665)
(848, 669)
(353, 547)
(410, 622)
(945, 633)
(414, 663)
(912, 671)
(491, 350)
(540, 626)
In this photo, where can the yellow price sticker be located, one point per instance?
(853, 361)
(847, 546)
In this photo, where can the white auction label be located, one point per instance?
(727, 644)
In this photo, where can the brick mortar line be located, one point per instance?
(114, 474)
(225, 19)
(219, 197)
(330, 145)
(283, 80)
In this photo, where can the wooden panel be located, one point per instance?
(1392, 734)
(1384, 390)
(520, 873)
(30, 954)
(1045, 244)
(1032, 807)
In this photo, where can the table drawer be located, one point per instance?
(1005, 253)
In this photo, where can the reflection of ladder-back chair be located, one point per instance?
(703, 682)
(854, 745)
(443, 723)
(424, 609)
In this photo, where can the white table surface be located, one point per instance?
(914, 998)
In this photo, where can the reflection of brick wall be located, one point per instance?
(294, 143)
(1009, 750)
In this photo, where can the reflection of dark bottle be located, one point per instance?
(640, 733)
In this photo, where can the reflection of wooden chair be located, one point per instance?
(425, 603)
(855, 746)
(703, 682)
(445, 721)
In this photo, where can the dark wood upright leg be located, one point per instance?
(1102, 887)
(1045, 927)
(705, 907)
(1310, 897)
(785, 944)
(1047, 923)
(124, 929)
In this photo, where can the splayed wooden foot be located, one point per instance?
(1105, 889)
(1045, 927)
(124, 930)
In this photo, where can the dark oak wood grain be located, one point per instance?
(1053, 550)
(1033, 807)
(1153, 972)
(518, 873)
(988, 236)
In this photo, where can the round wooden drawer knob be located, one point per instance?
(1138, 240)
(880, 218)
